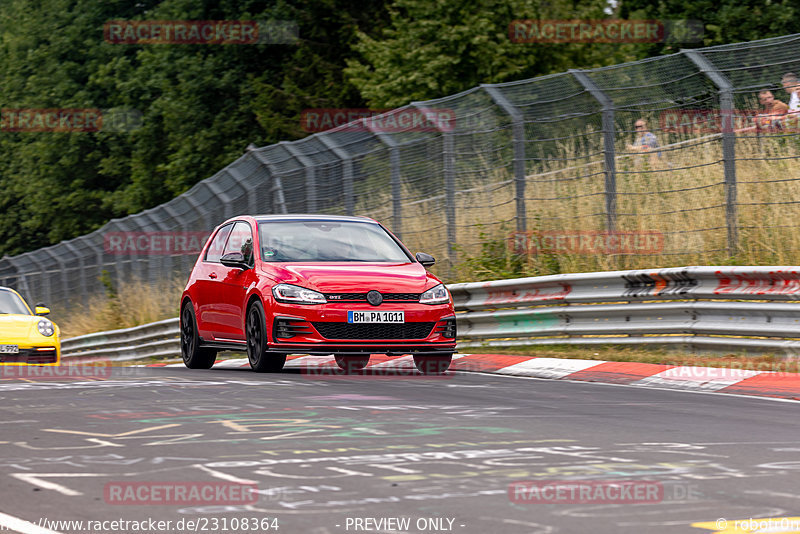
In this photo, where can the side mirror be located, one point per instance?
(425, 259)
(41, 309)
(234, 259)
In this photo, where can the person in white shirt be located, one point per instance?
(791, 85)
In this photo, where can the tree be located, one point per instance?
(724, 21)
(434, 49)
(201, 105)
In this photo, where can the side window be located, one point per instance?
(214, 252)
(241, 240)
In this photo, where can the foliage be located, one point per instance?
(433, 49)
(724, 21)
(201, 105)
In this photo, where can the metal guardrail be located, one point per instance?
(155, 340)
(722, 308)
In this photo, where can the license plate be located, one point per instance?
(9, 349)
(376, 317)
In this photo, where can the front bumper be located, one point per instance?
(43, 355)
(323, 330)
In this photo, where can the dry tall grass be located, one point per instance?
(681, 195)
(129, 303)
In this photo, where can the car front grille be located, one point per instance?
(30, 356)
(362, 297)
(374, 331)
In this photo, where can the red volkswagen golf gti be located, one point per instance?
(314, 284)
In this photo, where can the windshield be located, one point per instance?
(327, 241)
(12, 303)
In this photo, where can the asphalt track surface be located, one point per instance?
(374, 453)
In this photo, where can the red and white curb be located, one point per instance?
(784, 385)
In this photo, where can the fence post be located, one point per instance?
(347, 171)
(609, 151)
(311, 178)
(279, 201)
(518, 132)
(394, 163)
(22, 285)
(44, 279)
(728, 141)
(448, 165)
(62, 266)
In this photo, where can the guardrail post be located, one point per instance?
(347, 171)
(609, 151)
(728, 141)
(518, 132)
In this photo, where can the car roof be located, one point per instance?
(313, 217)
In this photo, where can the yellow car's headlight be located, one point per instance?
(46, 327)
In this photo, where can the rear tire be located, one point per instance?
(194, 356)
(260, 360)
(352, 364)
(432, 365)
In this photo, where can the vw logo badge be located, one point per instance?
(374, 298)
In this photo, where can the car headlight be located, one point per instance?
(46, 327)
(297, 295)
(435, 295)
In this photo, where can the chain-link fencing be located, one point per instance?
(550, 172)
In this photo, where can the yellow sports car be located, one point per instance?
(26, 337)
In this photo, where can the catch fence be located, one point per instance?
(526, 163)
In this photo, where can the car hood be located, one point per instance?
(16, 326)
(354, 278)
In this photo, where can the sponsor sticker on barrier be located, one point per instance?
(772, 283)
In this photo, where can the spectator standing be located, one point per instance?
(791, 86)
(645, 141)
(769, 118)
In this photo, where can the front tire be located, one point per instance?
(432, 365)
(260, 360)
(194, 356)
(351, 364)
